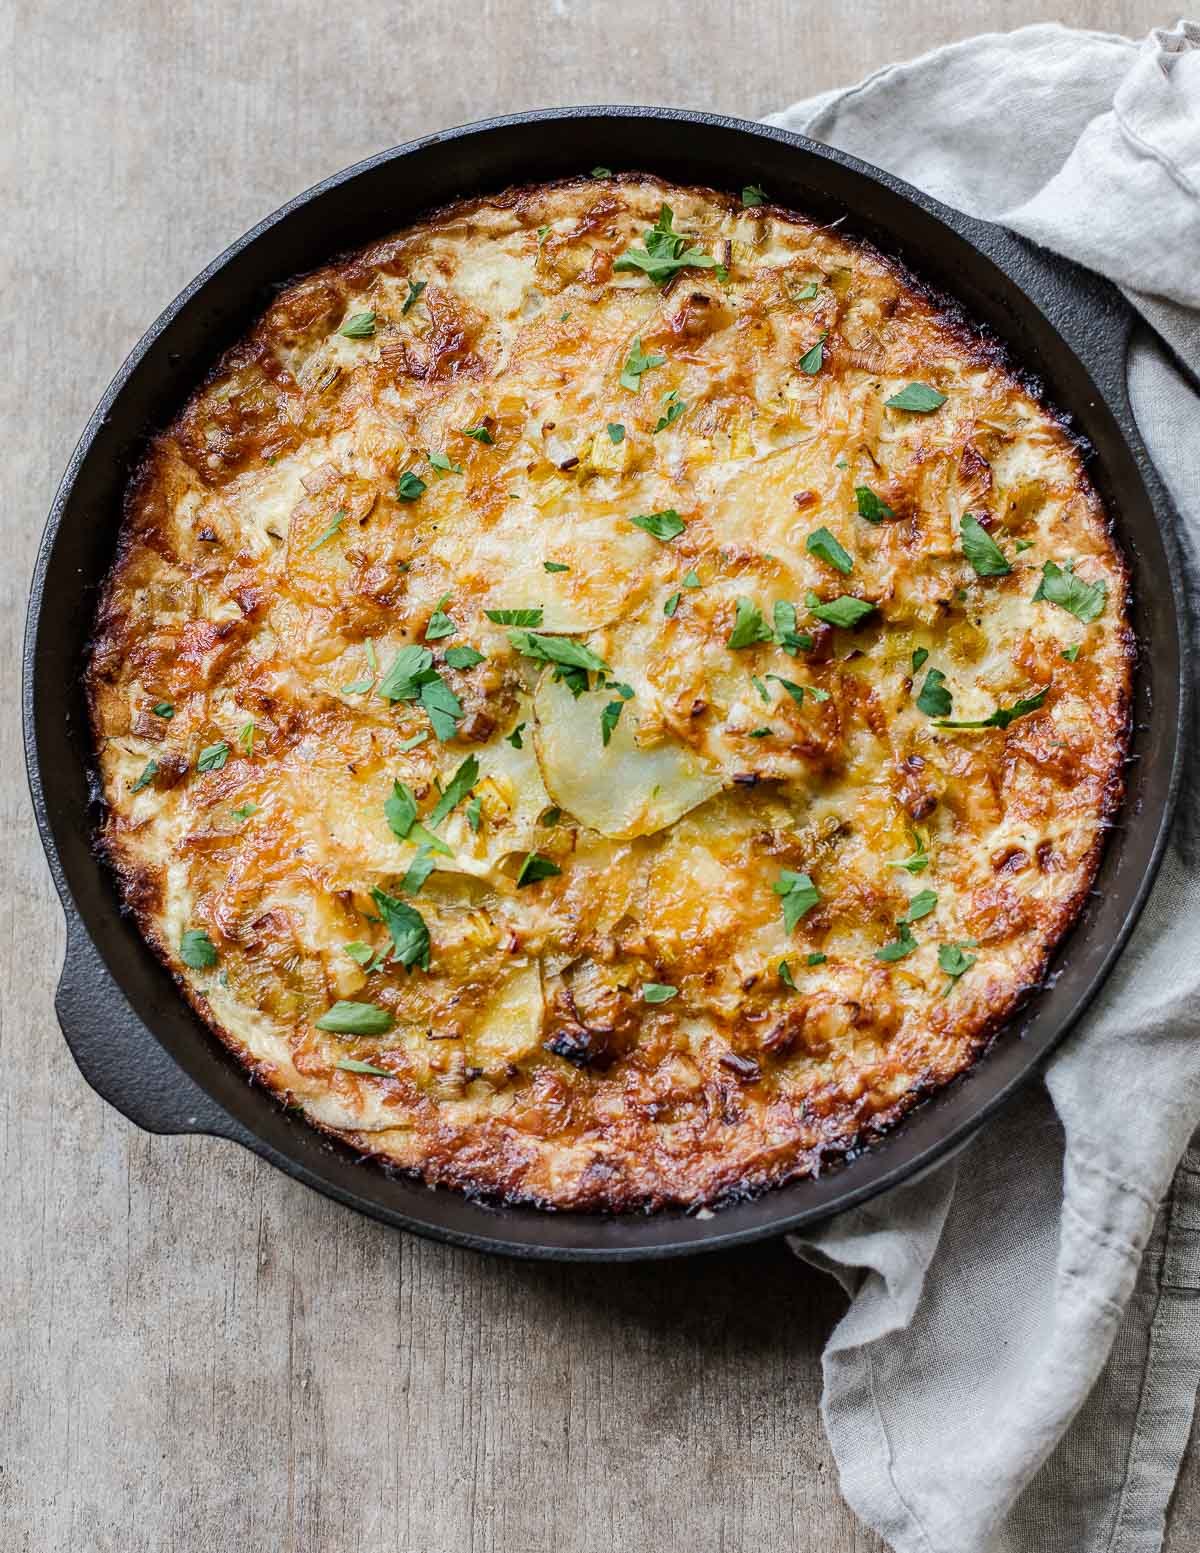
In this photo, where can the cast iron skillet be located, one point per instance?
(132, 1035)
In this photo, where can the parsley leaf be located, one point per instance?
(920, 906)
(474, 813)
(410, 744)
(786, 634)
(418, 871)
(556, 649)
(409, 486)
(807, 292)
(870, 506)
(636, 364)
(554, 566)
(1070, 653)
(795, 691)
(213, 756)
(753, 195)
(918, 397)
(515, 617)
(406, 927)
(616, 432)
(445, 463)
(1003, 715)
(813, 360)
(444, 708)
(785, 975)
(403, 680)
(749, 627)
(457, 788)
(918, 861)
(360, 327)
(672, 604)
(355, 1019)
(663, 525)
(197, 950)
(920, 656)
(665, 253)
(673, 407)
(904, 943)
(360, 953)
(690, 580)
(514, 738)
(825, 547)
(244, 811)
(799, 894)
(842, 611)
(658, 992)
(609, 718)
(163, 709)
(480, 433)
(415, 288)
(534, 868)
(984, 554)
(149, 772)
(955, 963)
(1023, 544)
(440, 624)
(463, 657)
(352, 1065)
(815, 959)
(246, 735)
(934, 699)
(1059, 585)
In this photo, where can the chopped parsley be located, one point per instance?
(163, 709)
(246, 734)
(411, 744)
(1023, 544)
(346, 1018)
(440, 623)
(920, 906)
(360, 327)
(665, 253)
(813, 360)
(563, 650)
(749, 627)
(457, 788)
(920, 656)
(807, 292)
(663, 525)
(463, 657)
(480, 433)
(415, 288)
(798, 692)
(197, 950)
(690, 580)
(799, 894)
(825, 547)
(760, 733)
(1003, 715)
(149, 772)
(601, 172)
(672, 407)
(753, 195)
(412, 677)
(474, 812)
(419, 870)
(328, 535)
(842, 611)
(515, 617)
(918, 397)
(409, 486)
(360, 953)
(616, 432)
(638, 363)
(786, 634)
(918, 861)
(444, 463)
(904, 943)
(244, 811)
(956, 963)
(870, 506)
(406, 927)
(1059, 585)
(515, 737)
(213, 756)
(555, 566)
(984, 554)
(611, 714)
(352, 1065)
(536, 867)
(1070, 653)
(785, 975)
(672, 604)
(816, 958)
(400, 811)
(658, 992)
(934, 699)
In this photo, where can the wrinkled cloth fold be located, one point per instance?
(1017, 1369)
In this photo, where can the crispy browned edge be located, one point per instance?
(140, 894)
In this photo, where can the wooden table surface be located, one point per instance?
(195, 1352)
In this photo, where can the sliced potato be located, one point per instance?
(618, 789)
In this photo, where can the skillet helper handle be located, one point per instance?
(118, 1056)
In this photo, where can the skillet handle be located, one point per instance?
(120, 1059)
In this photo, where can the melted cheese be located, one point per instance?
(271, 570)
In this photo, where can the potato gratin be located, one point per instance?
(610, 696)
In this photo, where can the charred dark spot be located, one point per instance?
(581, 1047)
(744, 1067)
(805, 498)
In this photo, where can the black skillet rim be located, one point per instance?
(668, 1233)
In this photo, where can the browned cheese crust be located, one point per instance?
(699, 920)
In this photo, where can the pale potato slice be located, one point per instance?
(619, 789)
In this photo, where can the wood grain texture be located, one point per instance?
(195, 1352)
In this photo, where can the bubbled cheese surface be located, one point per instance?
(270, 571)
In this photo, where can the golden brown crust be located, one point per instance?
(274, 564)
